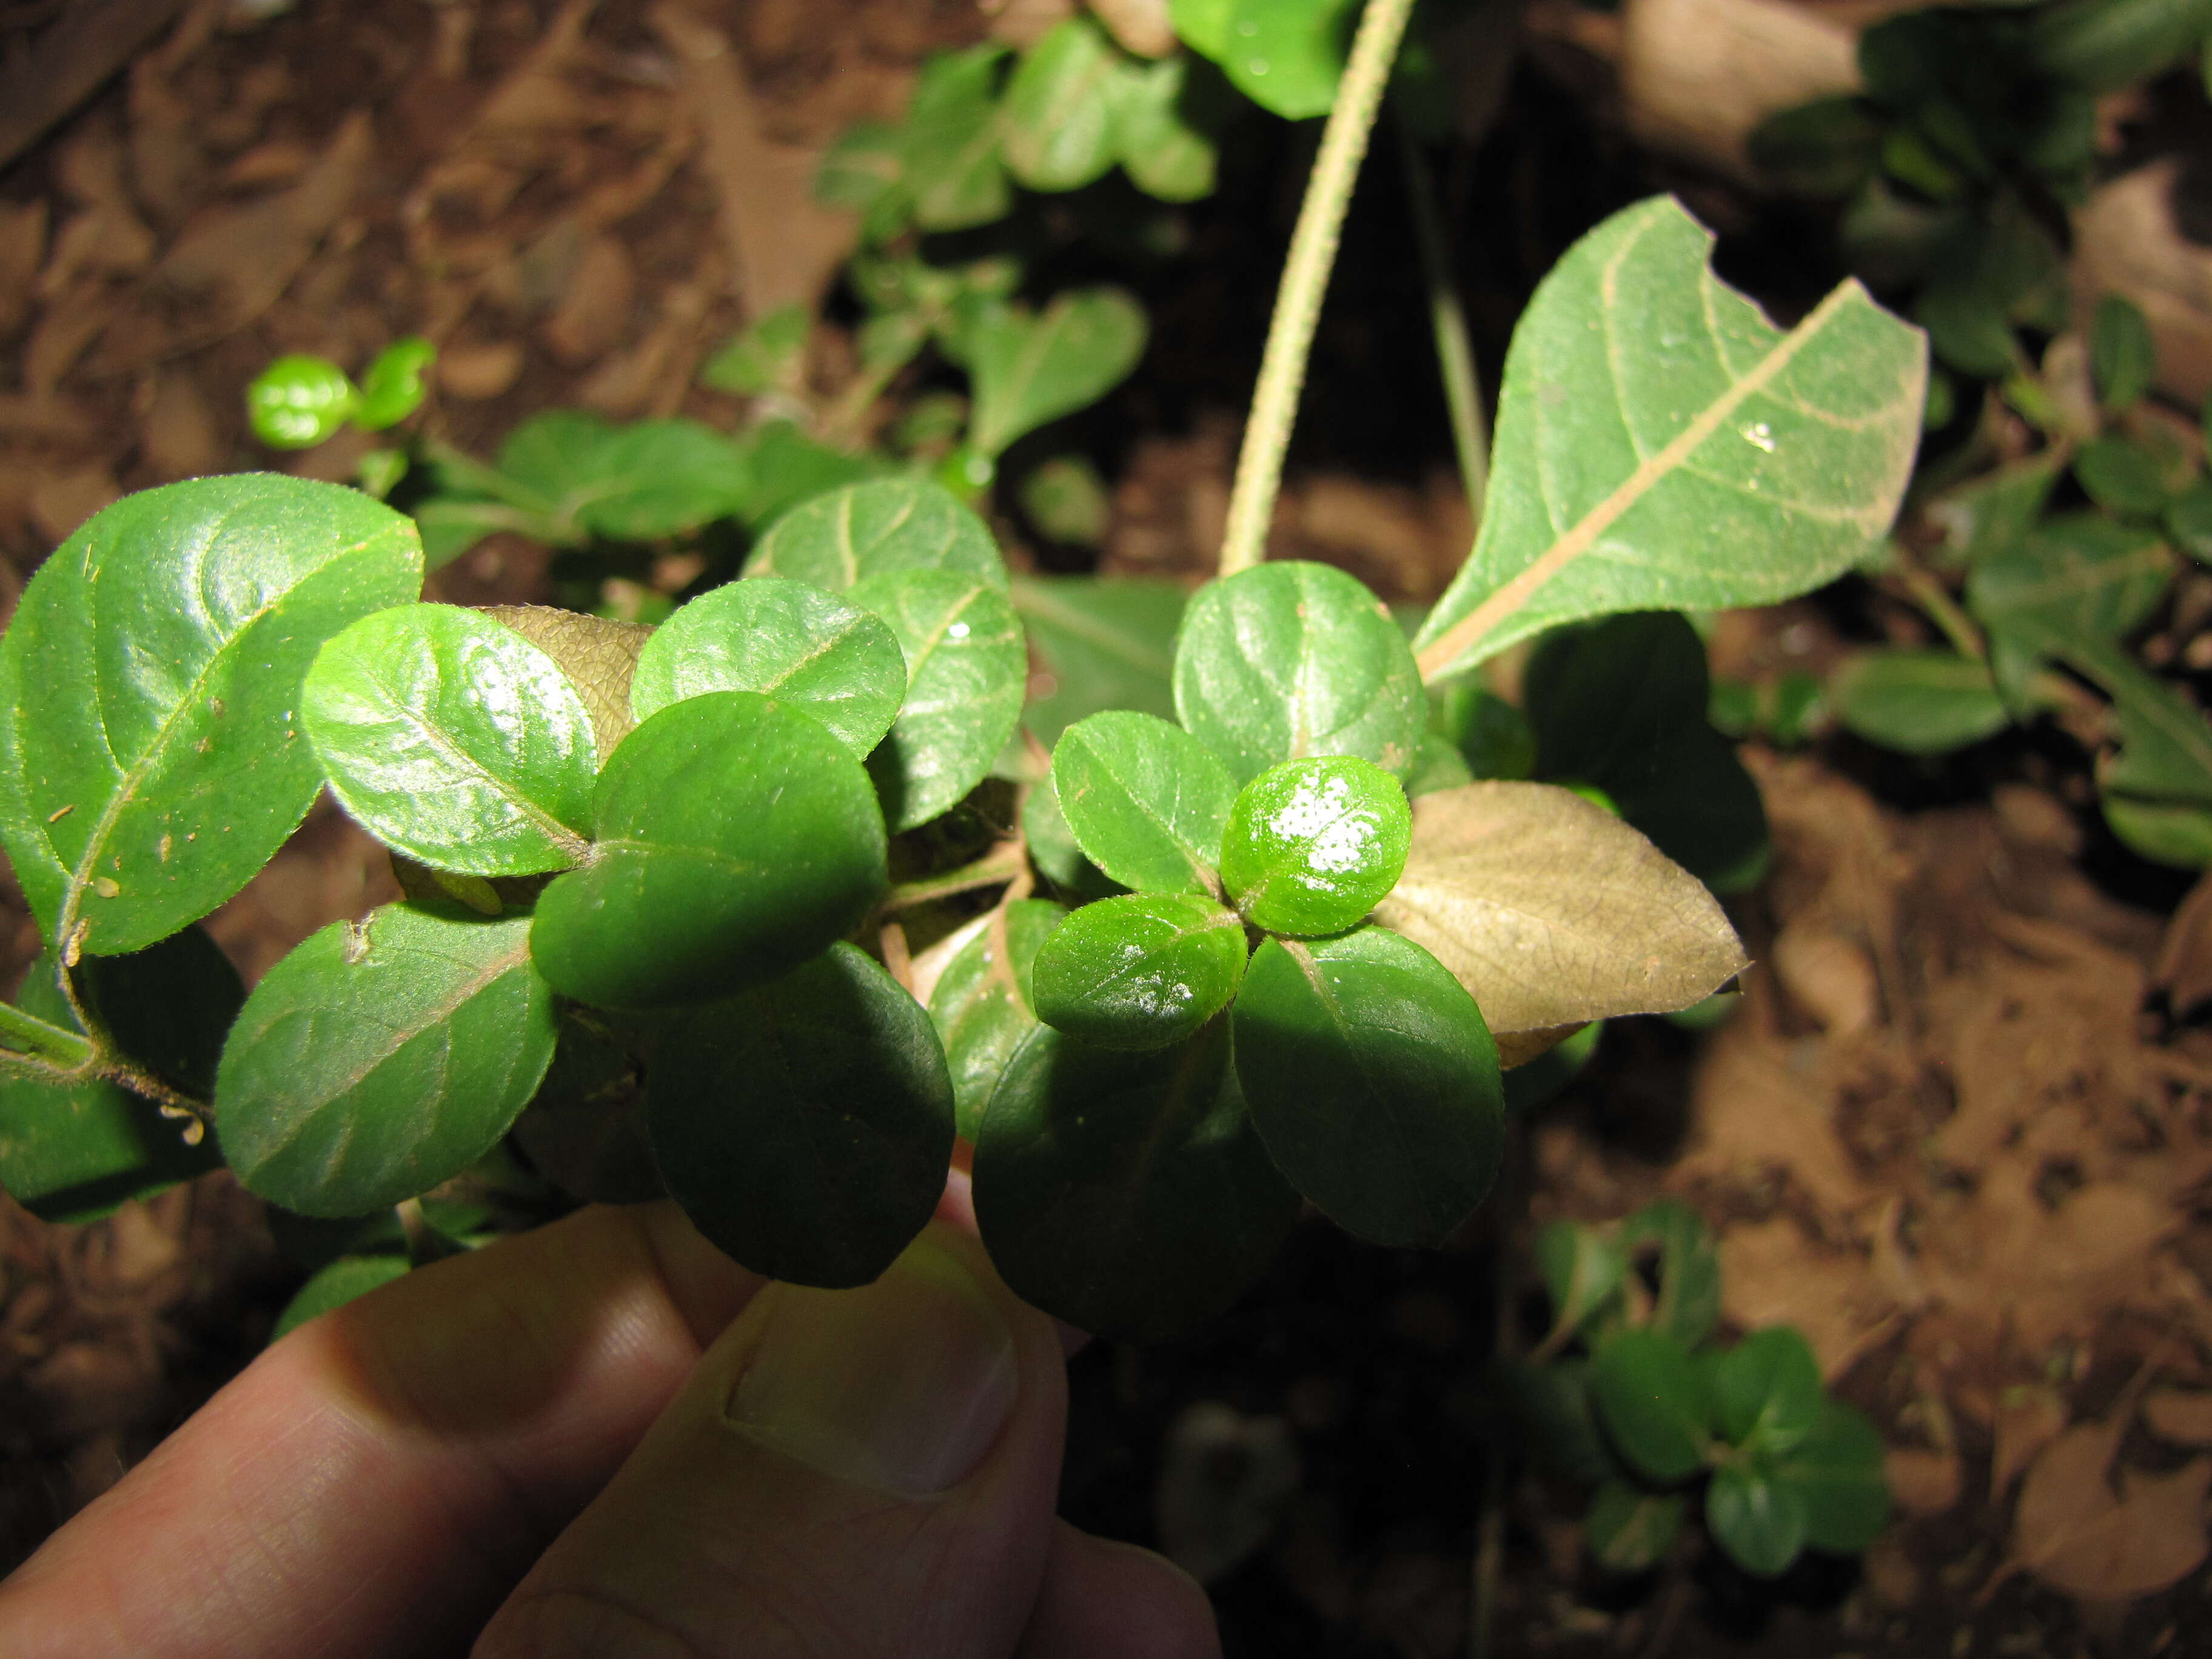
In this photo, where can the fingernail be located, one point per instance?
(903, 1385)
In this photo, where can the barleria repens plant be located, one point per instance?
(763, 889)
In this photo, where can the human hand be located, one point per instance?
(603, 1437)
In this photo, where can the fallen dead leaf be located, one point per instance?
(1754, 1111)
(476, 372)
(179, 437)
(1923, 1482)
(1828, 977)
(2028, 1417)
(22, 247)
(2181, 1416)
(2078, 1533)
(1772, 1274)
(2184, 958)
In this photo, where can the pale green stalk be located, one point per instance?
(1470, 429)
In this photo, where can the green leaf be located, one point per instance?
(1057, 120)
(2123, 356)
(784, 639)
(1582, 1270)
(805, 1125)
(343, 1280)
(1146, 801)
(736, 838)
(1551, 1403)
(1688, 1303)
(585, 1129)
(2078, 576)
(982, 1002)
(1053, 848)
(598, 654)
(299, 401)
(1285, 56)
(392, 385)
(1653, 1403)
(151, 758)
(454, 740)
(1758, 1521)
(636, 483)
(949, 147)
(1825, 148)
(1439, 766)
(966, 671)
(790, 469)
(1066, 499)
(1313, 845)
(2189, 520)
(2121, 477)
(1140, 971)
(72, 1151)
(1836, 1473)
(1165, 115)
(1630, 1529)
(1766, 1390)
(1491, 735)
(1373, 1081)
(1649, 415)
(846, 536)
(2104, 45)
(1291, 659)
(1101, 645)
(1030, 368)
(865, 169)
(1918, 703)
(1554, 912)
(1127, 1194)
(381, 1057)
(768, 355)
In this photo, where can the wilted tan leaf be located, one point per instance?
(179, 436)
(1828, 976)
(598, 655)
(479, 371)
(2075, 1531)
(1552, 911)
(2183, 1416)
(594, 312)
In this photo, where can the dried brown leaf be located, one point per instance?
(2077, 1533)
(477, 371)
(1923, 1482)
(2184, 959)
(2181, 1416)
(22, 247)
(1551, 910)
(1755, 1109)
(178, 438)
(1829, 977)
(594, 312)
(2028, 1419)
(1772, 1274)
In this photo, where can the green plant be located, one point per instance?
(1630, 1394)
(744, 904)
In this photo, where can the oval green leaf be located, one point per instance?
(1101, 644)
(1653, 1403)
(1836, 1473)
(381, 1057)
(787, 640)
(1630, 1529)
(1057, 120)
(1582, 1269)
(847, 535)
(1313, 845)
(151, 758)
(454, 740)
(966, 670)
(735, 839)
(1688, 1303)
(1164, 126)
(1140, 971)
(637, 482)
(1766, 1390)
(1028, 369)
(597, 654)
(1759, 1521)
(805, 1125)
(1147, 802)
(1286, 56)
(1126, 1193)
(346, 1279)
(392, 385)
(1918, 703)
(2121, 477)
(1373, 1081)
(299, 401)
(1291, 659)
(983, 1004)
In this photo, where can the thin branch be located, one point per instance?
(1470, 427)
(1305, 279)
(1005, 862)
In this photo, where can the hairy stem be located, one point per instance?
(1005, 862)
(1305, 278)
(1470, 427)
(46, 1049)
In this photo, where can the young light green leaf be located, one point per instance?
(1165, 116)
(2189, 520)
(633, 483)
(1766, 1390)
(1757, 1520)
(381, 1057)
(966, 671)
(151, 758)
(1147, 802)
(1688, 1303)
(1290, 659)
(768, 355)
(2123, 356)
(598, 654)
(983, 1004)
(1581, 1269)
(1504, 876)
(1653, 1403)
(299, 401)
(1991, 512)
(454, 740)
(806, 1125)
(1057, 116)
(1630, 1529)
(1126, 1193)
(392, 385)
(1439, 766)
(1066, 499)
(1837, 1474)
(787, 640)
(1032, 368)
(1491, 735)
(1140, 971)
(1373, 1081)
(1725, 464)
(1313, 845)
(735, 839)
(949, 147)
(346, 1279)
(1284, 55)
(848, 535)
(1918, 703)
(1101, 644)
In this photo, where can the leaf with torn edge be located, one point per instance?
(1661, 445)
(1553, 912)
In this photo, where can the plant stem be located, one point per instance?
(48, 1049)
(1935, 601)
(1305, 278)
(1470, 428)
(1003, 863)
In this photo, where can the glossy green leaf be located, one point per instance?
(2189, 520)
(784, 639)
(151, 758)
(584, 1128)
(346, 1279)
(1824, 148)
(598, 654)
(1146, 801)
(768, 355)
(1140, 971)
(1290, 659)
(950, 145)
(736, 838)
(790, 469)
(1688, 1306)
(1100, 645)
(1285, 56)
(1031, 368)
(2123, 356)
(1919, 703)
(454, 740)
(805, 1125)
(1629, 1529)
(2164, 832)
(848, 535)
(1766, 1390)
(1837, 1474)
(1653, 1404)
(1662, 446)
(2121, 477)
(983, 1004)
(633, 483)
(1057, 120)
(1759, 1522)
(966, 671)
(299, 401)
(1582, 1270)
(1373, 1081)
(1164, 117)
(1127, 1194)
(381, 1057)
(1313, 845)
(392, 385)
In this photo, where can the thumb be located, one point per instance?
(848, 1473)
